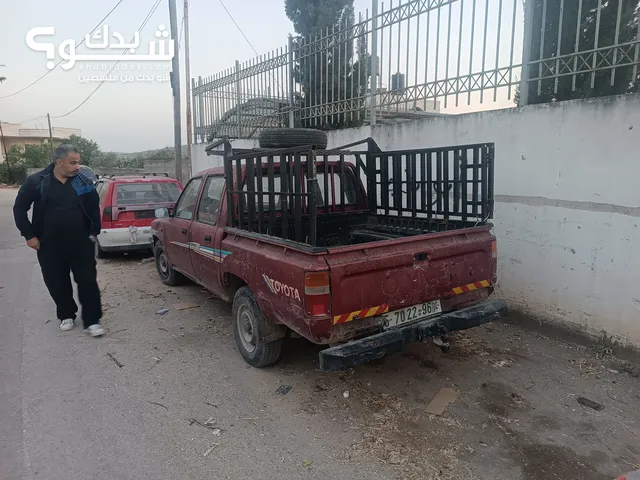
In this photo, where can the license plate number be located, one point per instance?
(399, 318)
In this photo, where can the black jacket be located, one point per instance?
(34, 192)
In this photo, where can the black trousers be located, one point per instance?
(60, 257)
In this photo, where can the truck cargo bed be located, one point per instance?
(319, 199)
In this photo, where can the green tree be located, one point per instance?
(333, 73)
(310, 16)
(134, 162)
(2, 79)
(12, 169)
(623, 81)
(106, 160)
(36, 156)
(15, 156)
(89, 150)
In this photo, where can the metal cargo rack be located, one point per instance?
(407, 192)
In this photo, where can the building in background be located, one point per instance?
(15, 134)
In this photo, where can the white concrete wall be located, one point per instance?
(567, 208)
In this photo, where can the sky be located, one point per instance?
(131, 113)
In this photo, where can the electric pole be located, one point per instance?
(3, 146)
(188, 86)
(175, 86)
(50, 136)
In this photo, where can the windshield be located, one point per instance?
(148, 192)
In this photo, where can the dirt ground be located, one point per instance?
(518, 414)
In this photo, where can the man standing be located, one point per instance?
(63, 229)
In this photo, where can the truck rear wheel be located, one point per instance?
(259, 341)
(167, 274)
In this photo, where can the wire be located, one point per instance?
(124, 52)
(238, 27)
(32, 119)
(181, 29)
(249, 42)
(56, 65)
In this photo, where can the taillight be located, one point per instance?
(106, 214)
(317, 292)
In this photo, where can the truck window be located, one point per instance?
(349, 193)
(187, 203)
(210, 200)
(349, 188)
(147, 192)
(265, 191)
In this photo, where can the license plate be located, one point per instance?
(133, 234)
(399, 318)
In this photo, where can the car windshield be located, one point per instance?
(148, 192)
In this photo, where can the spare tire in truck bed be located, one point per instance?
(292, 137)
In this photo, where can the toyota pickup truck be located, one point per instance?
(363, 251)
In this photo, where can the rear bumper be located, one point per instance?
(393, 341)
(119, 239)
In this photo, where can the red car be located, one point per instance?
(127, 206)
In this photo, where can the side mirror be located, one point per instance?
(162, 212)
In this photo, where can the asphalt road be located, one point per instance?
(68, 412)
(169, 397)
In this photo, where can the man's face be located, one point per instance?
(70, 165)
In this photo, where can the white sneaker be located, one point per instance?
(66, 324)
(95, 330)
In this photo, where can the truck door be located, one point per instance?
(206, 235)
(177, 230)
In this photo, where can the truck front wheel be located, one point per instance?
(259, 341)
(167, 274)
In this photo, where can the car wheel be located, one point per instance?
(167, 274)
(259, 341)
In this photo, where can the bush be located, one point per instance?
(12, 175)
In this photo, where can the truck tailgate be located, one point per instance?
(406, 272)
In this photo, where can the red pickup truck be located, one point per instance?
(360, 250)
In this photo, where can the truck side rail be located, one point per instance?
(269, 191)
(448, 184)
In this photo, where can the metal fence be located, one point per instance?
(240, 101)
(581, 48)
(415, 58)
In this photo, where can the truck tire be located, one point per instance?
(259, 340)
(292, 137)
(166, 272)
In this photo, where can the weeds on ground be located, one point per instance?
(605, 346)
